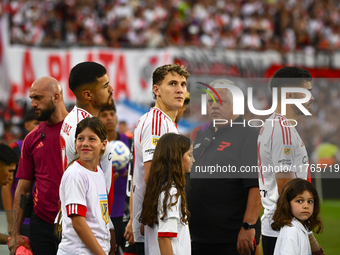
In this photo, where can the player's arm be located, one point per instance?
(86, 235)
(245, 240)
(23, 188)
(7, 201)
(3, 238)
(282, 178)
(113, 242)
(147, 166)
(128, 235)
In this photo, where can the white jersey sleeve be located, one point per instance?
(76, 189)
(157, 125)
(169, 223)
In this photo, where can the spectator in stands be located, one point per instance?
(132, 24)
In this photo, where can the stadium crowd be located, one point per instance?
(285, 26)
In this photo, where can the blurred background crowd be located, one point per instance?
(282, 25)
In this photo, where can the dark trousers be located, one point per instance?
(140, 248)
(268, 245)
(43, 238)
(214, 248)
(119, 232)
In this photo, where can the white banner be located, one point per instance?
(130, 71)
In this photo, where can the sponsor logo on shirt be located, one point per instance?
(305, 160)
(285, 162)
(287, 150)
(155, 140)
(223, 145)
(104, 207)
(150, 151)
(40, 145)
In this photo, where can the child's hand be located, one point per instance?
(319, 252)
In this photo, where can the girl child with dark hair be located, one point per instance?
(165, 207)
(83, 195)
(297, 214)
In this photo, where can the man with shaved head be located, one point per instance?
(40, 162)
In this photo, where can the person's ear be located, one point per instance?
(87, 94)
(104, 144)
(156, 89)
(56, 97)
(26, 124)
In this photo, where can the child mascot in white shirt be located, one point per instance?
(83, 195)
(164, 206)
(297, 214)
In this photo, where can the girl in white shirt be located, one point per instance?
(164, 207)
(297, 214)
(83, 195)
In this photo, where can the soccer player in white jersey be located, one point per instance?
(282, 155)
(89, 82)
(169, 90)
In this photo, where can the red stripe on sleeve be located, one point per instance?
(283, 132)
(159, 124)
(153, 119)
(141, 132)
(259, 162)
(167, 234)
(272, 136)
(75, 209)
(111, 192)
(309, 177)
(290, 136)
(287, 138)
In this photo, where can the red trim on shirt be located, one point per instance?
(259, 161)
(283, 132)
(272, 136)
(167, 234)
(159, 125)
(153, 119)
(141, 132)
(85, 167)
(111, 192)
(76, 209)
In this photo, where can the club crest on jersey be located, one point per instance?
(104, 207)
(155, 140)
(287, 151)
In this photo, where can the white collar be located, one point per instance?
(296, 223)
